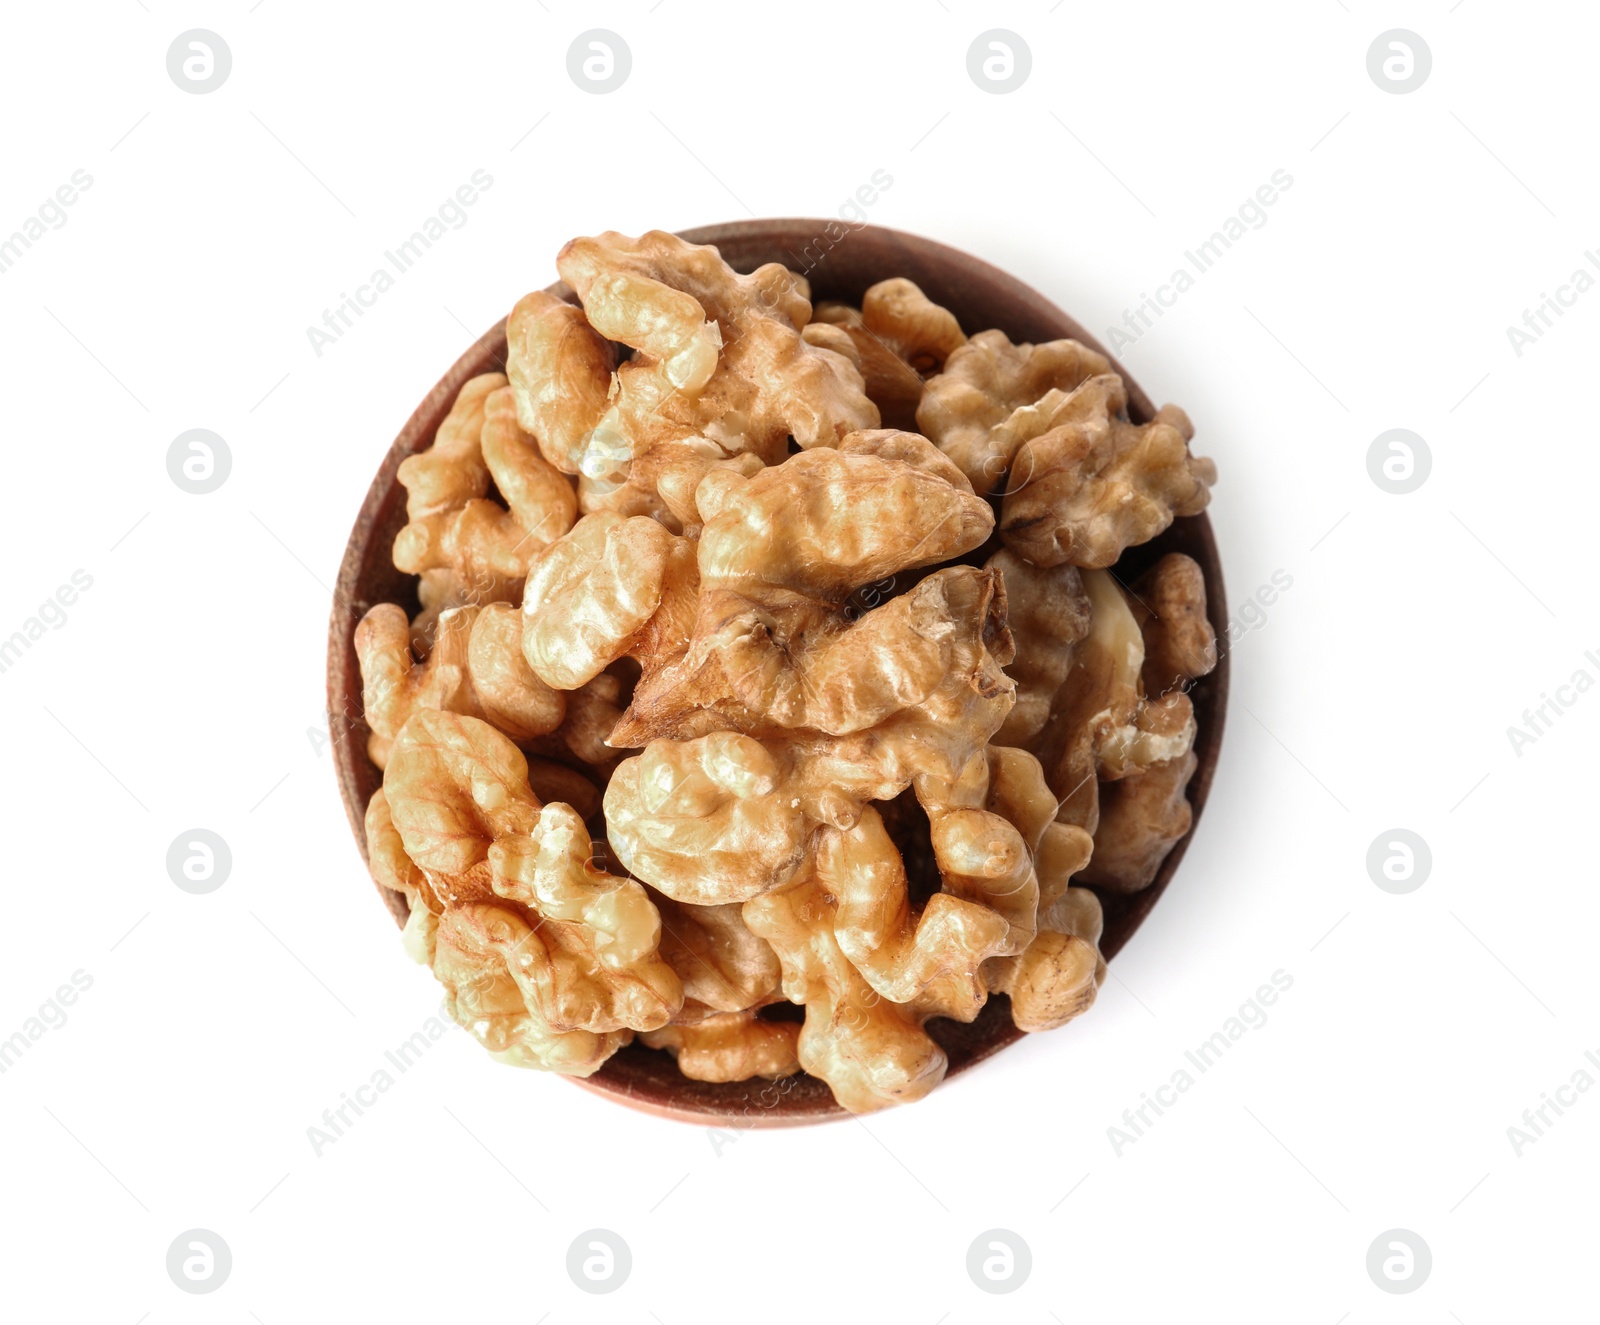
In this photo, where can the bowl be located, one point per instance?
(840, 261)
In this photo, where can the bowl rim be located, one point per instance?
(348, 730)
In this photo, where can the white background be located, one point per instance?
(186, 687)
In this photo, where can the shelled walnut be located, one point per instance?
(776, 655)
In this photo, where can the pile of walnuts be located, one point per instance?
(723, 696)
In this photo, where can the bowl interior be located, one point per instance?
(840, 261)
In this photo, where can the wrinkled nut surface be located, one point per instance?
(1056, 978)
(912, 325)
(591, 594)
(1102, 727)
(933, 956)
(896, 338)
(821, 671)
(729, 692)
(1143, 815)
(475, 667)
(890, 383)
(560, 368)
(967, 408)
(452, 525)
(872, 1052)
(1091, 484)
(718, 355)
(730, 1046)
(1169, 603)
(827, 521)
(1048, 613)
(545, 957)
(723, 966)
(1141, 818)
(705, 821)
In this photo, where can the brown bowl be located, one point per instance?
(839, 266)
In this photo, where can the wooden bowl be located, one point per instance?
(838, 267)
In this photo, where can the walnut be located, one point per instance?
(967, 409)
(592, 595)
(1145, 812)
(437, 591)
(560, 369)
(1140, 819)
(827, 521)
(890, 383)
(934, 955)
(1091, 484)
(478, 958)
(917, 329)
(452, 525)
(722, 965)
(394, 870)
(394, 685)
(896, 338)
(475, 667)
(507, 690)
(593, 711)
(820, 670)
(1048, 613)
(868, 971)
(546, 959)
(1057, 977)
(1169, 603)
(730, 1046)
(1100, 725)
(872, 1052)
(452, 471)
(717, 355)
(930, 728)
(703, 820)
(844, 746)
(779, 555)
